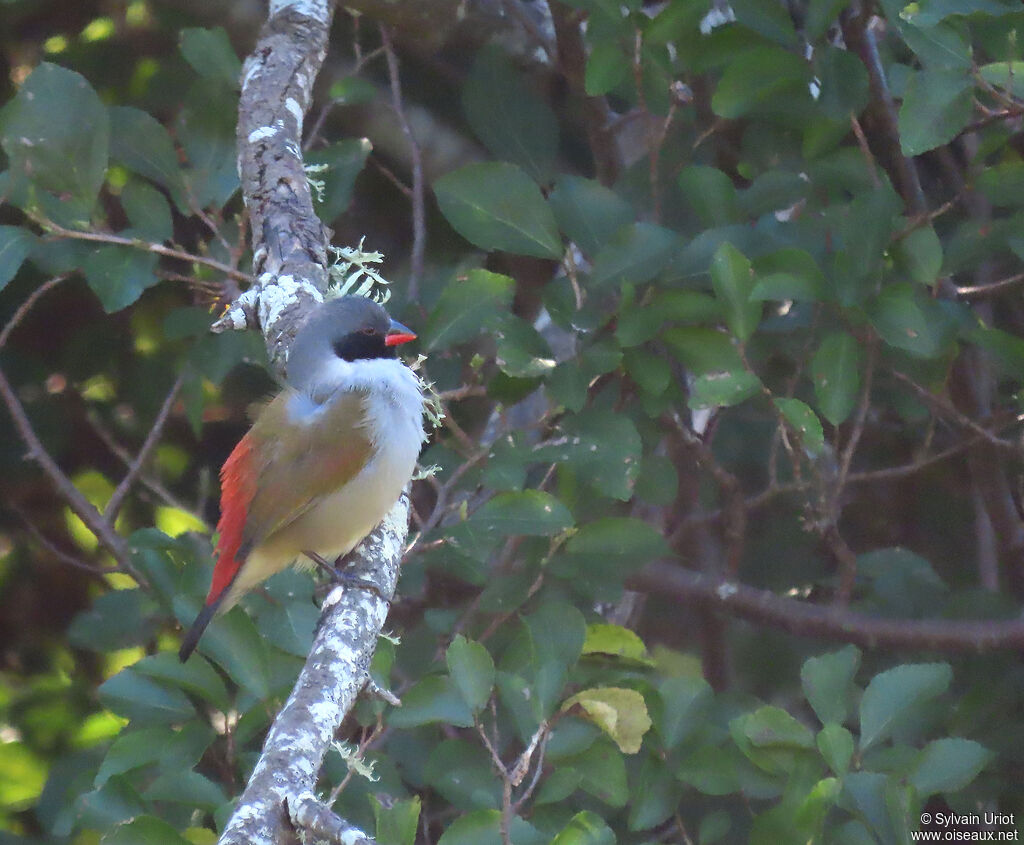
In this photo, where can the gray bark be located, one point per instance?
(279, 803)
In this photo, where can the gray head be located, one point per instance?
(349, 328)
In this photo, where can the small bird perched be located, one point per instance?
(325, 460)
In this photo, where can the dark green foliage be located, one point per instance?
(739, 250)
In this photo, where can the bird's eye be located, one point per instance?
(368, 330)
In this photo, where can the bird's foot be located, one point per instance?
(345, 579)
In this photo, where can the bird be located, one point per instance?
(325, 459)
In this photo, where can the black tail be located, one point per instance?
(191, 640)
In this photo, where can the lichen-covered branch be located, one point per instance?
(288, 240)
(279, 804)
(334, 674)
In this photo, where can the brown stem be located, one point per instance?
(799, 618)
(121, 493)
(419, 226)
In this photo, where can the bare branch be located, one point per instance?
(26, 306)
(802, 619)
(333, 676)
(82, 507)
(419, 215)
(121, 493)
(59, 231)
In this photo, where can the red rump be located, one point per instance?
(237, 487)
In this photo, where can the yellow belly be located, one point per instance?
(332, 527)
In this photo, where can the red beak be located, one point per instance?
(398, 333)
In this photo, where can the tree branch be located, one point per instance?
(135, 467)
(326, 689)
(279, 804)
(82, 507)
(802, 619)
(289, 242)
(419, 214)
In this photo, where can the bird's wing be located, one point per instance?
(294, 454)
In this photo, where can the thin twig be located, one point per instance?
(82, 507)
(26, 306)
(58, 231)
(419, 217)
(122, 490)
(151, 484)
(991, 289)
(95, 570)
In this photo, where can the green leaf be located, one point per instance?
(186, 787)
(463, 773)
(206, 130)
(482, 827)
(508, 115)
(352, 91)
(804, 421)
(821, 14)
(196, 676)
(603, 448)
(397, 823)
(117, 619)
(56, 132)
(467, 307)
(779, 287)
(472, 670)
(681, 708)
(175, 749)
(835, 372)
(15, 245)
(344, 161)
(22, 775)
(948, 765)
(144, 701)
(618, 536)
(704, 350)
(723, 389)
(655, 794)
(758, 77)
(148, 829)
(211, 55)
(232, 642)
(521, 350)
(607, 68)
(919, 254)
(836, 746)
(142, 145)
(603, 772)
(937, 105)
(433, 699)
(615, 640)
(844, 83)
(496, 206)
(621, 713)
(1005, 75)
(773, 727)
(148, 211)
(585, 828)
(119, 274)
(635, 254)
(906, 318)
(828, 683)
(711, 194)
(898, 694)
(526, 513)
(732, 278)
(588, 212)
